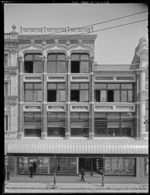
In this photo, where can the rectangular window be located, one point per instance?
(123, 96)
(6, 59)
(56, 92)
(32, 124)
(33, 92)
(97, 95)
(110, 95)
(6, 123)
(103, 96)
(116, 96)
(79, 63)
(80, 95)
(130, 96)
(5, 88)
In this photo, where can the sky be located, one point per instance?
(112, 46)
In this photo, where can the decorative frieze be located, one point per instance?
(56, 78)
(76, 78)
(102, 108)
(97, 78)
(32, 108)
(77, 108)
(32, 78)
(59, 108)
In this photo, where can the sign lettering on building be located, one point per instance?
(47, 30)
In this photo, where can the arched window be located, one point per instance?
(33, 63)
(56, 63)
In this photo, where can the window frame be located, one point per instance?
(33, 90)
(79, 89)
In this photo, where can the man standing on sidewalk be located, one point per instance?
(82, 175)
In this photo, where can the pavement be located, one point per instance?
(73, 184)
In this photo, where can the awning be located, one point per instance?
(107, 146)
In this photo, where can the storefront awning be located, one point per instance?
(107, 146)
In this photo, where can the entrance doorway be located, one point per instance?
(89, 164)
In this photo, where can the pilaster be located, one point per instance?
(44, 99)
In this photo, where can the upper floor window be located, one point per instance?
(6, 123)
(33, 63)
(56, 92)
(80, 92)
(32, 92)
(80, 63)
(6, 59)
(113, 92)
(6, 88)
(56, 63)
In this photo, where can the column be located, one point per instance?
(91, 88)
(20, 99)
(67, 133)
(44, 99)
(143, 54)
(137, 105)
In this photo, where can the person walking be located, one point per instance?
(82, 175)
(34, 167)
(31, 170)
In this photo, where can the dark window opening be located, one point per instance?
(56, 131)
(75, 67)
(75, 95)
(28, 67)
(97, 95)
(51, 95)
(110, 95)
(33, 132)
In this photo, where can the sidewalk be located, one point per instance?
(74, 183)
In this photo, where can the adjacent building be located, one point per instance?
(64, 111)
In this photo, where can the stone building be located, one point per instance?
(63, 111)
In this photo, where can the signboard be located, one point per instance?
(52, 31)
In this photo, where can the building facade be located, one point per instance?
(63, 111)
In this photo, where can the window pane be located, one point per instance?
(37, 86)
(38, 67)
(28, 57)
(84, 116)
(123, 96)
(75, 57)
(75, 86)
(28, 86)
(113, 86)
(100, 86)
(84, 86)
(84, 57)
(97, 95)
(103, 96)
(126, 86)
(113, 116)
(130, 96)
(51, 86)
(35, 96)
(60, 95)
(61, 116)
(126, 116)
(51, 95)
(127, 124)
(116, 96)
(75, 116)
(51, 116)
(84, 96)
(61, 57)
(75, 95)
(114, 131)
(113, 124)
(84, 67)
(52, 57)
(51, 67)
(61, 86)
(61, 67)
(28, 96)
(37, 57)
(33, 132)
(100, 115)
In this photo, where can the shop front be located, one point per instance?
(47, 165)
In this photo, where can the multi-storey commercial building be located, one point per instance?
(64, 111)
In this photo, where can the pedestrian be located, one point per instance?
(31, 170)
(58, 167)
(34, 167)
(82, 175)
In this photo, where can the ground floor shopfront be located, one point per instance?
(117, 156)
(114, 166)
